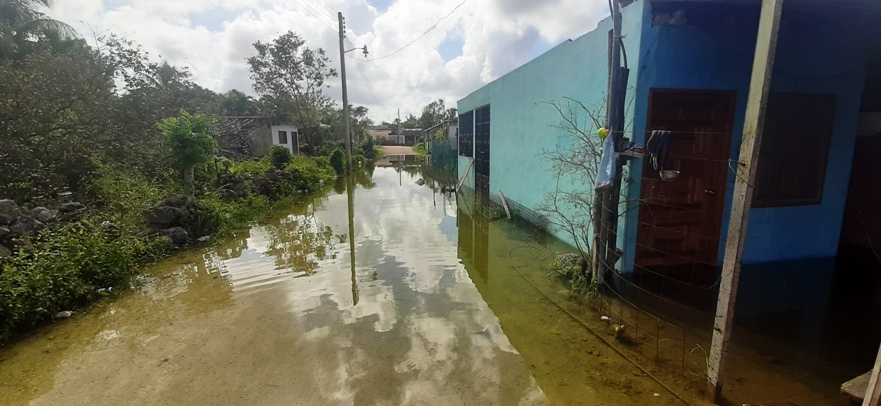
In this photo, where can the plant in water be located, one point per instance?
(189, 139)
(338, 161)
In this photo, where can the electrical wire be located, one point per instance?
(422, 35)
(594, 332)
(315, 15)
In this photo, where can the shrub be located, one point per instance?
(338, 161)
(369, 149)
(63, 268)
(279, 156)
(205, 217)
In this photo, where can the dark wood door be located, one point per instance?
(680, 220)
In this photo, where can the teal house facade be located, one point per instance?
(690, 65)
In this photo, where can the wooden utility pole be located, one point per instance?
(873, 391)
(753, 125)
(348, 135)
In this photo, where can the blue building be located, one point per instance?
(690, 66)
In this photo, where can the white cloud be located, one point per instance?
(213, 38)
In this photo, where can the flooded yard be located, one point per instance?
(380, 291)
(284, 313)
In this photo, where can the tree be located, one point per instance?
(189, 142)
(410, 122)
(432, 114)
(237, 103)
(290, 80)
(21, 24)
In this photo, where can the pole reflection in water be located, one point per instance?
(350, 192)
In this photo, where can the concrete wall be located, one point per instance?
(820, 50)
(261, 139)
(292, 144)
(521, 124)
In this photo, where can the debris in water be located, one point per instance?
(656, 394)
(203, 238)
(420, 182)
(105, 291)
(63, 315)
(619, 330)
(605, 318)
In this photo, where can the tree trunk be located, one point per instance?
(189, 176)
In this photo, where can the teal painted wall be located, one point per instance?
(521, 125)
(820, 50)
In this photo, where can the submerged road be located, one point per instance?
(428, 309)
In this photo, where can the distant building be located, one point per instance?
(252, 136)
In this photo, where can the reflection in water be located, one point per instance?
(350, 195)
(368, 297)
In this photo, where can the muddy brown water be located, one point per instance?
(428, 309)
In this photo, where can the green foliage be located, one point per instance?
(369, 149)
(580, 282)
(338, 161)
(205, 217)
(419, 149)
(123, 196)
(280, 156)
(64, 268)
(189, 139)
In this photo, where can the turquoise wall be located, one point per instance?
(521, 123)
(819, 50)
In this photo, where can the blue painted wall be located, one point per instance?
(818, 51)
(521, 124)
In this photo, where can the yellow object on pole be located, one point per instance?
(603, 132)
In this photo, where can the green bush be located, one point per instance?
(279, 156)
(64, 268)
(369, 148)
(338, 161)
(205, 217)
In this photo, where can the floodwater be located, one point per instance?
(391, 294)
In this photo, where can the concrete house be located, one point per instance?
(815, 196)
(690, 66)
(449, 139)
(254, 135)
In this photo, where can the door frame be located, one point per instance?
(715, 227)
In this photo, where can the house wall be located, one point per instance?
(521, 123)
(261, 139)
(292, 137)
(820, 50)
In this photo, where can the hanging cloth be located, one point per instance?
(659, 147)
(606, 172)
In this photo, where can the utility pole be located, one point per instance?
(750, 144)
(345, 92)
(605, 202)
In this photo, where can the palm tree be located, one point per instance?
(21, 22)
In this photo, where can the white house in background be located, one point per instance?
(286, 135)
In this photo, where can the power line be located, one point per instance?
(321, 11)
(365, 78)
(326, 6)
(315, 15)
(423, 34)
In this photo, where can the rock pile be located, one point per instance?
(17, 222)
(167, 219)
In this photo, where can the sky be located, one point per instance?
(409, 63)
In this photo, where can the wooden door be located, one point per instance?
(680, 220)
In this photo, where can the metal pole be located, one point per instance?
(348, 135)
(750, 144)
